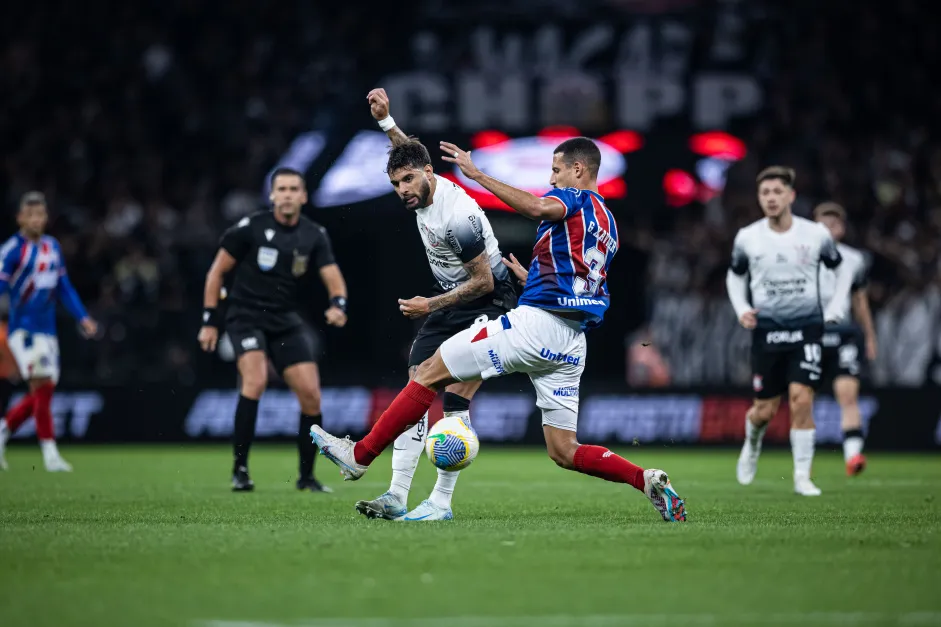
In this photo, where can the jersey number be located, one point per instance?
(594, 259)
(813, 353)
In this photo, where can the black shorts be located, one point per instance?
(441, 325)
(843, 354)
(294, 345)
(782, 357)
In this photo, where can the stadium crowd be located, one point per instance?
(149, 138)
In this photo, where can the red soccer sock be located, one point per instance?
(43, 412)
(407, 409)
(598, 461)
(20, 412)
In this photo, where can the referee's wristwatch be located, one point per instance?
(339, 302)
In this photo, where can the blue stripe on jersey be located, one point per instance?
(579, 248)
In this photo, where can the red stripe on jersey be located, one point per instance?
(575, 230)
(542, 251)
(27, 292)
(481, 335)
(45, 248)
(601, 217)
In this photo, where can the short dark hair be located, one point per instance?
(412, 154)
(285, 171)
(830, 209)
(31, 199)
(584, 151)
(777, 172)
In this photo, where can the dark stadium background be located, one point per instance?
(151, 127)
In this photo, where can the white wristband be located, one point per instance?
(387, 124)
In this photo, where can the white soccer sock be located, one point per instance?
(444, 486)
(852, 446)
(802, 448)
(406, 452)
(754, 435)
(4, 431)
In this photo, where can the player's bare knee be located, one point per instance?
(309, 399)
(432, 373)
(763, 412)
(561, 446)
(846, 393)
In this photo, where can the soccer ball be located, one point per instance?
(452, 444)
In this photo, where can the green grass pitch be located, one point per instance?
(143, 536)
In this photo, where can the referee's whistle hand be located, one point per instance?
(416, 307)
(208, 338)
(335, 317)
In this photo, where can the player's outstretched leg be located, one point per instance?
(353, 458)
(406, 452)
(756, 423)
(598, 461)
(846, 390)
(803, 433)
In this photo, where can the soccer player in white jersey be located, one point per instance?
(565, 294)
(471, 283)
(842, 364)
(776, 264)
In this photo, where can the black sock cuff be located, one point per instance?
(455, 402)
(247, 401)
(852, 433)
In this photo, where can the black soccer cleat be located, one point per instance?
(313, 485)
(241, 482)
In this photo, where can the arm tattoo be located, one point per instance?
(480, 282)
(397, 136)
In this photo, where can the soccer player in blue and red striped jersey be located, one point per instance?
(32, 270)
(565, 294)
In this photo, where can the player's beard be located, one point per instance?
(423, 194)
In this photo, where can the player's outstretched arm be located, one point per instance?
(336, 289)
(379, 107)
(221, 265)
(520, 201)
(479, 283)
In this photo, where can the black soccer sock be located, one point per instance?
(246, 414)
(306, 449)
(853, 433)
(454, 402)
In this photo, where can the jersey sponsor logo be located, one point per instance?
(831, 339)
(571, 391)
(45, 280)
(580, 302)
(495, 360)
(299, 265)
(548, 355)
(784, 337)
(267, 258)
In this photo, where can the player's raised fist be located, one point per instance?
(749, 319)
(378, 103)
(453, 154)
(208, 338)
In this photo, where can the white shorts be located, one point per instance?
(549, 348)
(36, 354)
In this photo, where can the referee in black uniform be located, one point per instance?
(272, 252)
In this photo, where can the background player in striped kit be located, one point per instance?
(774, 285)
(471, 283)
(565, 294)
(33, 270)
(842, 343)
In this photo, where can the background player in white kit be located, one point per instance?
(776, 261)
(471, 284)
(842, 364)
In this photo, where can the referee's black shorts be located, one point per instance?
(286, 344)
(441, 325)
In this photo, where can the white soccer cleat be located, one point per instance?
(747, 466)
(665, 500)
(428, 511)
(57, 464)
(388, 506)
(4, 436)
(805, 487)
(340, 452)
